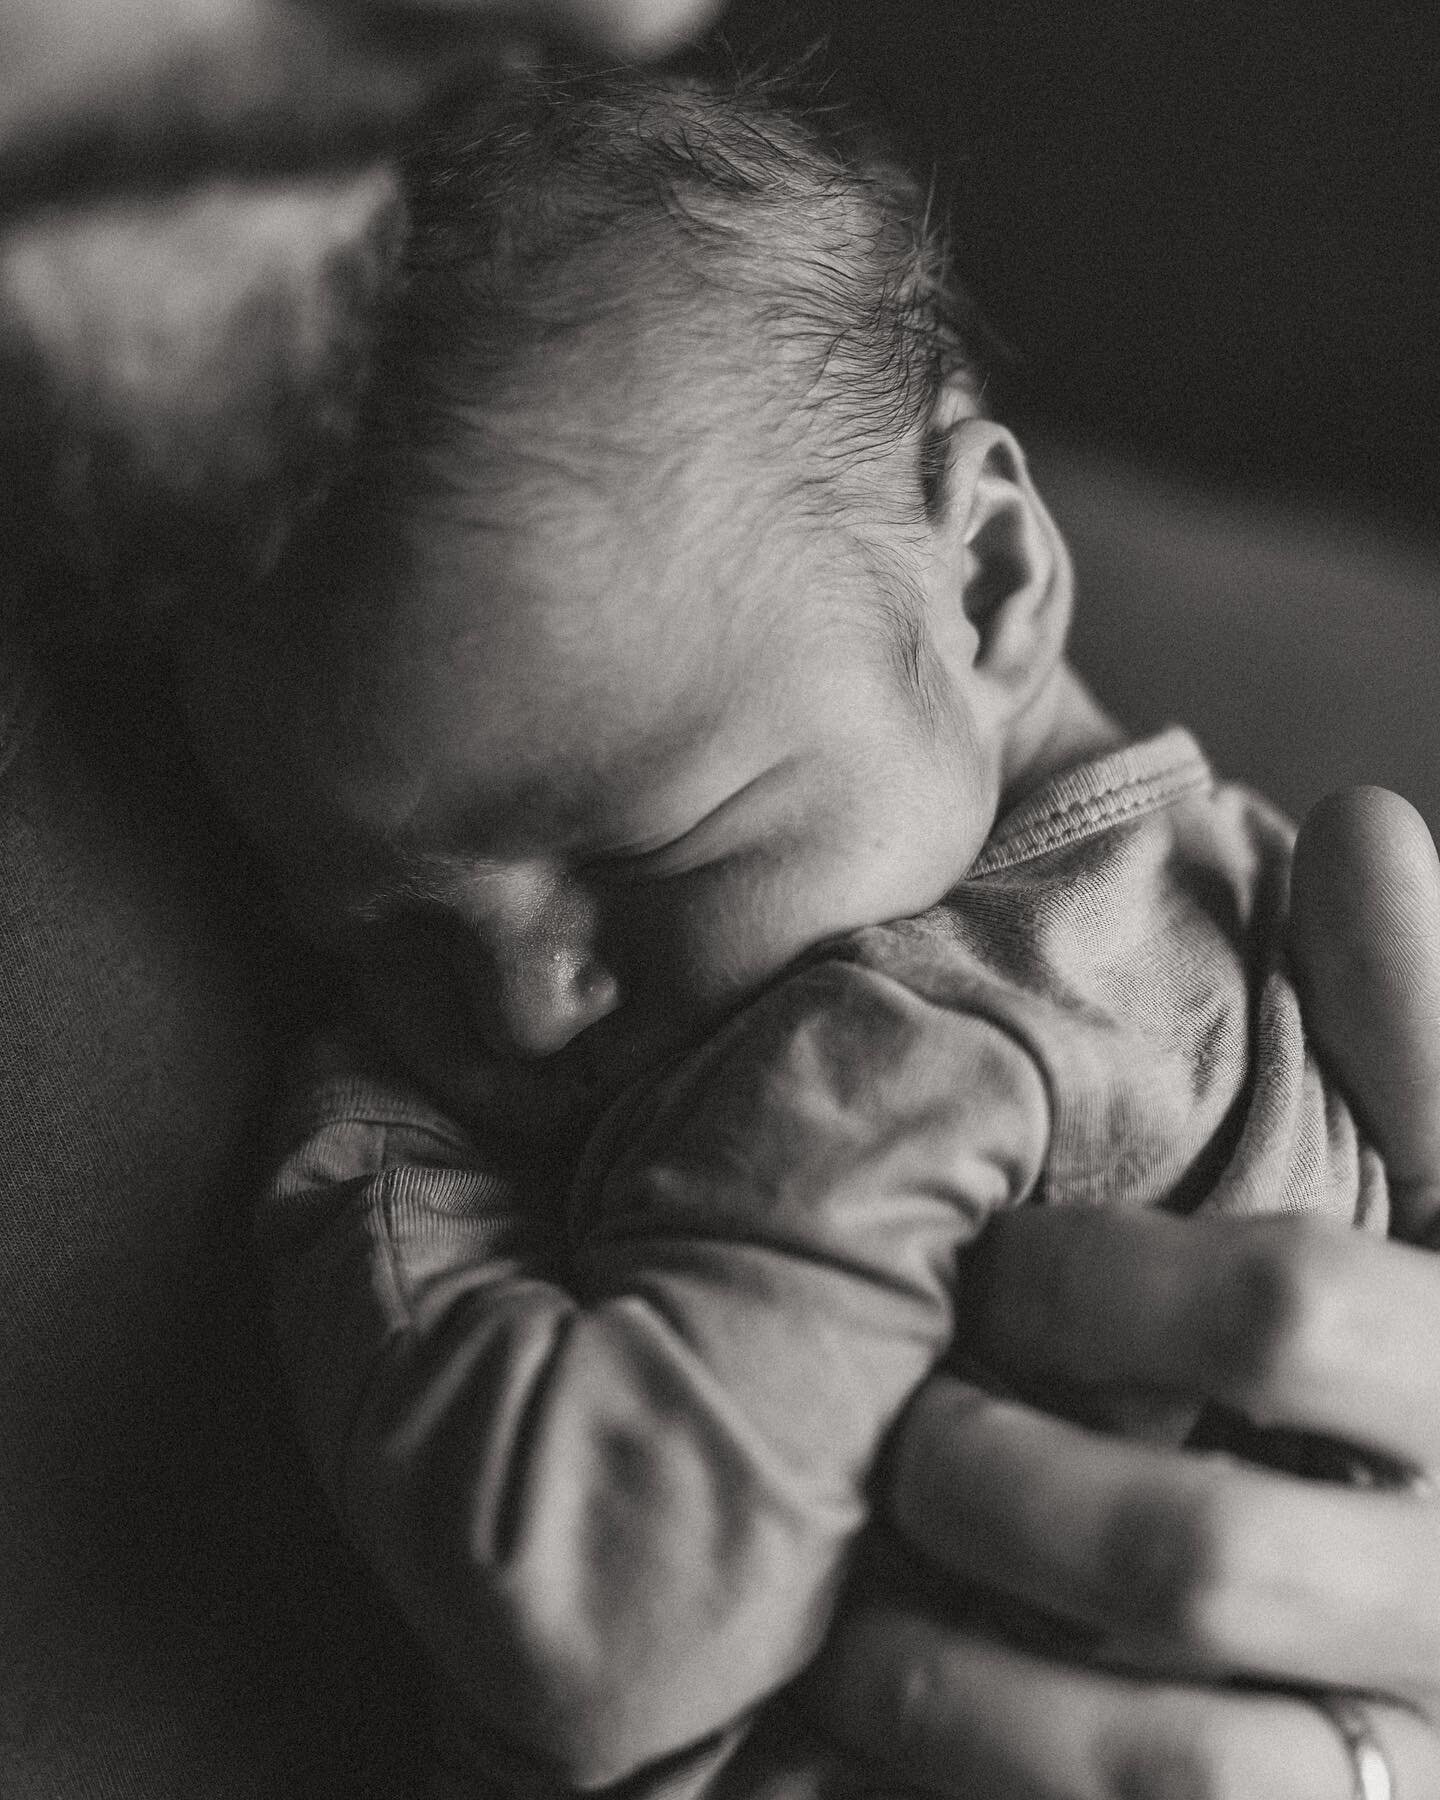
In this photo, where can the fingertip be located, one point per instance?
(1364, 940)
(1366, 879)
(1354, 825)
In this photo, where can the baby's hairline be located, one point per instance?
(866, 366)
(752, 200)
(811, 512)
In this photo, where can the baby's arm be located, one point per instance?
(614, 1487)
(1365, 942)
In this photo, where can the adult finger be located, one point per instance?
(1295, 1325)
(1364, 940)
(949, 1712)
(1174, 1561)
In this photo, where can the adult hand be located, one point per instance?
(1201, 1594)
(1187, 1569)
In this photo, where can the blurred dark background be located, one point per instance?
(1211, 233)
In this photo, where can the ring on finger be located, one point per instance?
(1351, 1718)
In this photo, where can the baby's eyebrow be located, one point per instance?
(427, 882)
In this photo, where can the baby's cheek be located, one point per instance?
(692, 948)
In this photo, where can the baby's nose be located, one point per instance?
(541, 1001)
(530, 963)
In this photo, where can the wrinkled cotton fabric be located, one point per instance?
(608, 1435)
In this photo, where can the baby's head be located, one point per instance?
(683, 610)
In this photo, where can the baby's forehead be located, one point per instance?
(642, 366)
(584, 572)
(653, 482)
(676, 462)
(731, 315)
(569, 577)
(628, 533)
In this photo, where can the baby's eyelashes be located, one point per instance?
(633, 868)
(715, 831)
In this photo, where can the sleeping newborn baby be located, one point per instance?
(736, 896)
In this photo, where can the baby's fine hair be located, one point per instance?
(566, 192)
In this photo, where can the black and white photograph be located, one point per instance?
(719, 938)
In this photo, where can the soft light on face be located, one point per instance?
(595, 776)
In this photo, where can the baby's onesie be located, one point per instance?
(606, 1431)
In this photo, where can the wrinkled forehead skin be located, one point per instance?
(572, 620)
(640, 523)
(554, 656)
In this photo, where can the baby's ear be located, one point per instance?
(1001, 554)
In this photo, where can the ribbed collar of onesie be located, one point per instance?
(1093, 796)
